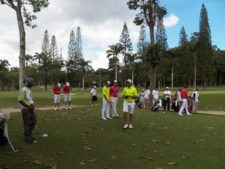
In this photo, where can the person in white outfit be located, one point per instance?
(146, 97)
(94, 98)
(155, 95)
(195, 100)
(105, 102)
(167, 97)
(184, 97)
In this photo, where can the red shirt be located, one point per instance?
(114, 90)
(66, 89)
(56, 89)
(184, 93)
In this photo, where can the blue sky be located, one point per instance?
(188, 11)
(101, 23)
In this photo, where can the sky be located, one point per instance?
(101, 23)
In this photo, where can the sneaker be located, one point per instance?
(109, 118)
(103, 118)
(125, 126)
(55, 109)
(70, 108)
(189, 114)
(130, 126)
(180, 114)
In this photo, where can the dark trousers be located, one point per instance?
(166, 104)
(29, 122)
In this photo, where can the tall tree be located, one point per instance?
(205, 53)
(149, 12)
(25, 15)
(78, 44)
(71, 53)
(114, 51)
(45, 43)
(142, 43)
(53, 48)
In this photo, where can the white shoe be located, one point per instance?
(55, 109)
(125, 126)
(180, 114)
(130, 126)
(70, 108)
(189, 114)
(103, 118)
(109, 118)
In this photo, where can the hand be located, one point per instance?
(31, 107)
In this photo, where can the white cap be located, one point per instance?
(129, 80)
(67, 83)
(108, 82)
(94, 86)
(115, 81)
(59, 84)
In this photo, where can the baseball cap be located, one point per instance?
(129, 80)
(108, 82)
(67, 83)
(115, 81)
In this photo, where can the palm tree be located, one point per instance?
(114, 51)
(84, 67)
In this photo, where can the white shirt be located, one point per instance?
(155, 94)
(93, 92)
(147, 93)
(178, 96)
(195, 96)
(167, 94)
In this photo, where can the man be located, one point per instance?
(27, 108)
(184, 97)
(67, 95)
(155, 95)
(146, 97)
(167, 97)
(105, 101)
(129, 95)
(195, 100)
(56, 91)
(94, 98)
(114, 93)
(178, 101)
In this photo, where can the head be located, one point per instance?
(67, 84)
(115, 82)
(28, 81)
(185, 86)
(108, 83)
(167, 88)
(129, 82)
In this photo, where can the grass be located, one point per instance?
(78, 139)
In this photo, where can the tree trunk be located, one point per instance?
(22, 44)
(132, 76)
(195, 71)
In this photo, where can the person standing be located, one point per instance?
(178, 101)
(94, 98)
(56, 91)
(105, 102)
(167, 97)
(129, 95)
(67, 95)
(155, 95)
(114, 93)
(184, 97)
(146, 96)
(195, 100)
(27, 107)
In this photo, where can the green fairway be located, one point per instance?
(79, 139)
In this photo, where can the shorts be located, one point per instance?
(128, 107)
(56, 98)
(67, 97)
(94, 98)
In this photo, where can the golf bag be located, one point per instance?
(156, 105)
(4, 117)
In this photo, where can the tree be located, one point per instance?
(45, 43)
(114, 51)
(205, 68)
(142, 43)
(25, 15)
(4, 65)
(53, 48)
(78, 44)
(149, 12)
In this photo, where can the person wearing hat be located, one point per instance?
(184, 97)
(114, 93)
(67, 95)
(56, 91)
(94, 98)
(27, 107)
(105, 102)
(167, 97)
(129, 95)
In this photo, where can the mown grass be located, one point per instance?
(78, 139)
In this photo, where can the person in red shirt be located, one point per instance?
(67, 95)
(114, 93)
(56, 91)
(184, 97)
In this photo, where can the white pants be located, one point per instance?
(128, 107)
(105, 108)
(67, 97)
(184, 106)
(114, 106)
(56, 98)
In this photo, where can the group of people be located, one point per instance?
(57, 95)
(110, 96)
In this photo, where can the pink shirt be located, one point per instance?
(114, 90)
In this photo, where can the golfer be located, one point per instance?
(26, 104)
(56, 91)
(129, 95)
(114, 93)
(105, 102)
(67, 96)
(184, 97)
(94, 98)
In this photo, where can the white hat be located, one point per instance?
(115, 81)
(108, 82)
(129, 80)
(67, 83)
(59, 84)
(94, 86)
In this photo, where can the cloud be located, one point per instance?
(171, 20)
